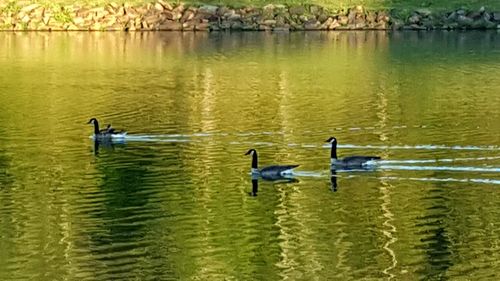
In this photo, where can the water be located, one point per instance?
(175, 200)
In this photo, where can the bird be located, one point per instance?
(349, 162)
(105, 134)
(274, 172)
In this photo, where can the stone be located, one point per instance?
(151, 19)
(187, 16)
(312, 26)
(169, 15)
(322, 18)
(268, 11)
(496, 16)
(234, 17)
(281, 29)
(359, 9)
(165, 5)
(269, 22)
(464, 21)
(425, 12)
(397, 24)
(78, 20)
(371, 17)
(303, 18)
(208, 9)
(25, 19)
(343, 20)
(316, 10)
(297, 10)
(237, 25)
(29, 8)
(334, 24)
(414, 19)
(159, 7)
(263, 27)
(171, 26)
(203, 26)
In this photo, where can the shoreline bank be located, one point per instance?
(164, 16)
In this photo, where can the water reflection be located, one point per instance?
(333, 180)
(107, 144)
(255, 182)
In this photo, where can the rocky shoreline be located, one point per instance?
(161, 15)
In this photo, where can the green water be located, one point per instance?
(176, 200)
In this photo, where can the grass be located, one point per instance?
(333, 4)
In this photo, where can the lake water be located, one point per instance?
(176, 201)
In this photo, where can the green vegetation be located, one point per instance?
(334, 4)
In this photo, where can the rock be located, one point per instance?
(322, 18)
(496, 16)
(208, 9)
(334, 25)
(343, 20)
(25, 19)
(281, 29)
(203, 26)
(263, 27)
(424, 12)
(159, 7)
(168, 15)
(397, 24)
(297, 10)
(78, 21)
(237, 25)
(312, 26)
(380, 25)
(303, 18)
(29, 8)
(269, 22)
(464, 21)
(165, 5)
(414, 19)
(371, 18)
(382, 17)
(187, 16)
(351, 17)
(316, 10)
(482, 9)
(234, 17)
(268, 12)
(359, 10)
(170, 25)
(487, 16)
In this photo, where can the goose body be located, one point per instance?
(349, 162)
(106, 134)
(273, 172)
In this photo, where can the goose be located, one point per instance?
(108, 133)
(274, 172)
(349, 162)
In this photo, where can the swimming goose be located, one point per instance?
(350, 162)
(274, 172)
(108, 133)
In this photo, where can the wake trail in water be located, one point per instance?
(443, 160)
(439, 168)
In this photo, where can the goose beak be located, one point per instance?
(247, 153)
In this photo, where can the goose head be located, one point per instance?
(92, 121)
(251, 152)
(331, 140)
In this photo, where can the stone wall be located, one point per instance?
(162, 15)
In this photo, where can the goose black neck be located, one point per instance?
(254, 160)
(333, 152)
(96, 127)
